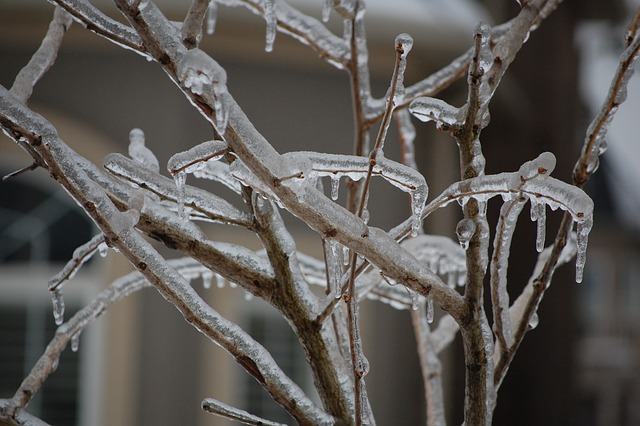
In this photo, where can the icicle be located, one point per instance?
(334, 272)
(212, 13)
(219, 281)
(538, 213)
(181, 180)
(452, 279)
(207, 277)
(465, 230)
(75, 342)
(268, 8)
(335, 186)
(58, 306)
(582, 229)
(418, 201)
(415, 300)
(222, 113)
(326, 10)
(429, 310)
(345, 255)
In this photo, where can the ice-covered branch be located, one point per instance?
(48, 362)
(595, 143)
(430, 366)
(202, 204)
(119, 232)
(80, 256)
(318, 212)
(94, 20)
(300, 306)
(43, 58)
(307, 30)
(192, 25)
(232, 413)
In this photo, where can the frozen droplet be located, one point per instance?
(180, 179)
(533, 322)
(268, 8)
(404, 42)
(58, 306)
(538, 214)
(465, 230)
(429, 310)
(389, 280)
(326, 10)
(212, 13)
(75, 342)
(248, 296)
(103, 249)
(362, 365)
(207, 278)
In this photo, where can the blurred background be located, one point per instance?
(142, 364)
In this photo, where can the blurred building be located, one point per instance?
(141, 364)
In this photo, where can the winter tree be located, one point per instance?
(131, 197)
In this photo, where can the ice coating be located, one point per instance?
(336, 166)
(195, 158)
(219, 172)
(200, 74)
(140, 153)
(485, 55)
(432, 109)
